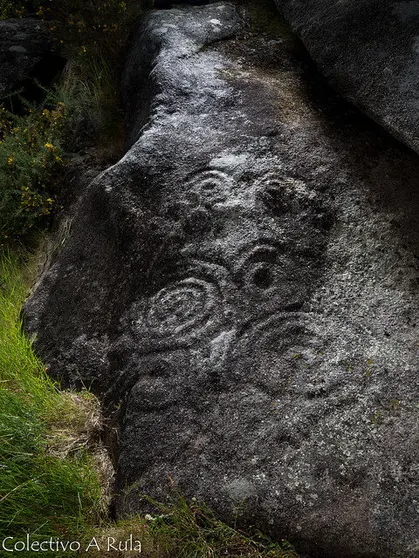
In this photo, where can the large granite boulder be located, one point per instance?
(25, 52)
(369, 51)
(165, 4)
(241, 289)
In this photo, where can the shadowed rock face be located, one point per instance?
(369, 51)
(242, 291)
(24, 44)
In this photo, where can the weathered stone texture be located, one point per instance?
(369, 51)
(242, 290)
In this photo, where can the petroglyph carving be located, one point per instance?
(272, 348)
(207, 188)
(283, 194)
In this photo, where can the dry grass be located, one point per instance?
(185, 529)
(77, 428)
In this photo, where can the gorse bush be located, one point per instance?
(82, 27)
(91, 27)
(30, 157)
(18, 8)
(36, 143)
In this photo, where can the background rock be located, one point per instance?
(25, 55)
(165, 4)
(369, 51)
(242, 291)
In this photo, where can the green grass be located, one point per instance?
(42, 490)
(189, 529)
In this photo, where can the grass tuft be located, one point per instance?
(48, 485)
(189, 529)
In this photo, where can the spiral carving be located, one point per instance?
(185, 311)
(208, 187)
(271, 350)
(283, 194)
(181, 308)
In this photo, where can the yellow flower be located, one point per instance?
(50, 147)
(10, 160)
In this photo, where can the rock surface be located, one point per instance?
(24, 47)
(369, 51)
(242, 290)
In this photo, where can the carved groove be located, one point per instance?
(185, 312)
(270, 351)
(181, 307)
(208, 187)
(283, 194)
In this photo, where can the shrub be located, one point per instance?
(82, 27)
(85, 106)
(91, 27)
(18, 8)
(30, 156)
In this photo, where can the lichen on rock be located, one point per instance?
(241, 291)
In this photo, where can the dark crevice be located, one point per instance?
(34, 89)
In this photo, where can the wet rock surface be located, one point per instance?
(242, 290)
(369, 51)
